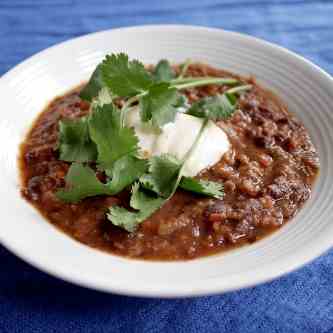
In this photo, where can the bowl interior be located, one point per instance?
(25, 91)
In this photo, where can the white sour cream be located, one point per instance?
(177, 138)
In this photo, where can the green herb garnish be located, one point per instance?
(165, 174)
(94, 85)
(163, 71)
(130, 79)
(102, 138)
(123, 77)
(217, 107)
(158, 105)
(75, 144)
(214, 107)
(126, 171)
(204, 187)
(82, 183)
(167, 166)
(144, 205)
(113, 141)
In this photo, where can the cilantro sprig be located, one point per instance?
(82, 182)
(165, 174)
(158, 91)
(214, 107)
(218, 107)
(124, 77)
(101, 141)
(115, 147)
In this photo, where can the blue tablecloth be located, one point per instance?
(31, 301)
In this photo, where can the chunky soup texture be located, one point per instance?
(267, 174)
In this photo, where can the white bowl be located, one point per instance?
(25, 90)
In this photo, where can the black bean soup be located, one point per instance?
(267, 174)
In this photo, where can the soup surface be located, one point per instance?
(267, 174)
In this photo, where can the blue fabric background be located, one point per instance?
(31, 301)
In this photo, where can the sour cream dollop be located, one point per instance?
(177, 138)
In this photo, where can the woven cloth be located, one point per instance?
(31, 301)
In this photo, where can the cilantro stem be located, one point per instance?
(199, 78)
(197, 82)
(239, 89)
(184, 68)
(195, 142)
(126, 107)
(187, 156)
(183, 83)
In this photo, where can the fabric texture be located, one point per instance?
(31, 301)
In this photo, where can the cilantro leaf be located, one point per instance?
(103, 97)
(125, 171)
(200, 186)
(144, 204)
(94, 85)
(158, 104)
(113, 141)
(181, 101)
(75, 144)
(163, 174)
(163, 71)
(214, 107)
(123, 77)
(81, 183)
(123, 218)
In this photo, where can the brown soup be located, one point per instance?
(268, 175)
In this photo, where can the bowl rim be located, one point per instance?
(215, 285)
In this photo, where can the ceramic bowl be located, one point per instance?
(25, 91)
